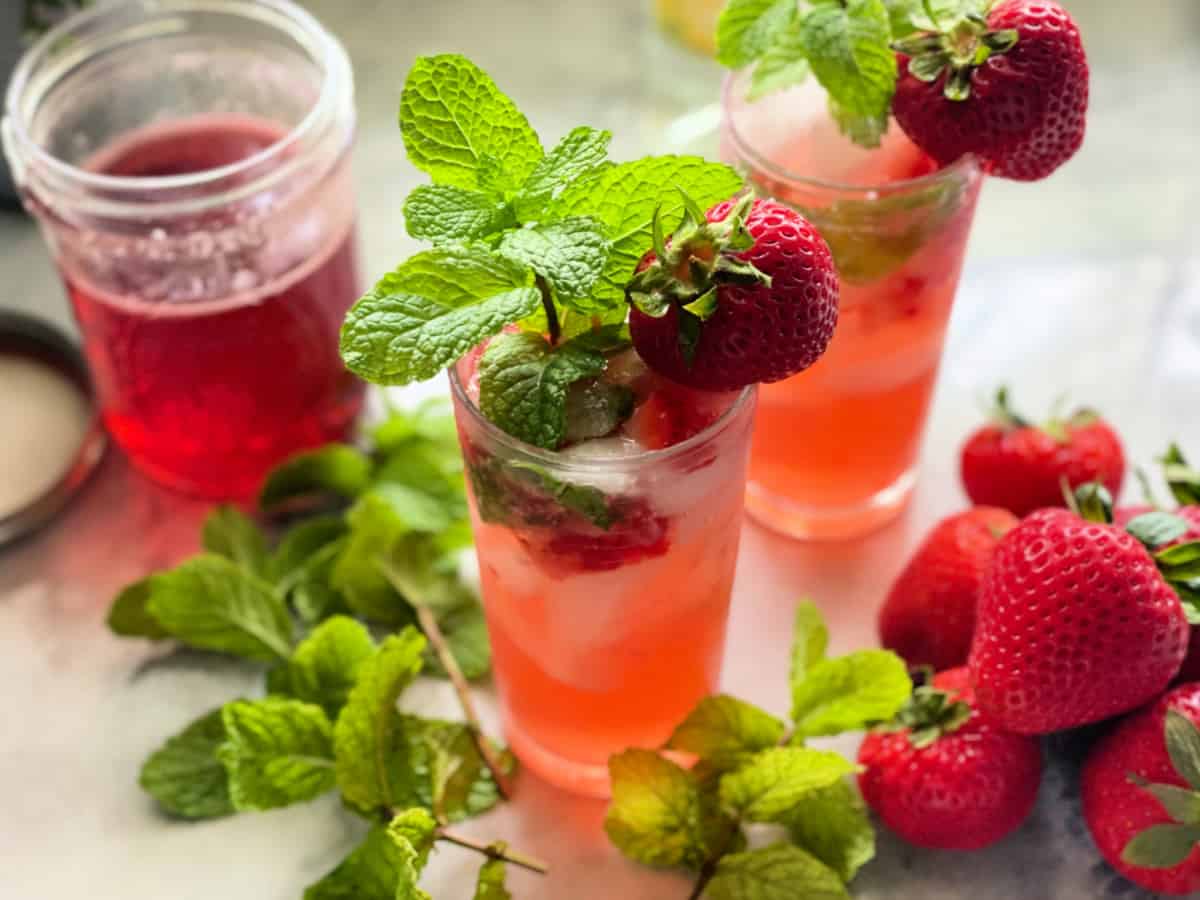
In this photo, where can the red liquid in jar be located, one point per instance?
(213, 370)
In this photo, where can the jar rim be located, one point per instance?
(966, 165)
(326, 52)
(583, 464)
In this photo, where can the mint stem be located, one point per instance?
(552, 326)
(433, 631)
(492, 851)
(707, 871)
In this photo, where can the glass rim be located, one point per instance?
(324, 49)
(967, 164)
(583, 463)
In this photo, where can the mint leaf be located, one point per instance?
(578, 154)
(810, 640)
(465, 631)
(448, 772)
(416, 509)
(382, 867)
(570, 254)
(277, 752)
(864, 130)
(333, 469)
(832, 825)
(490, 885)
(623, 199)
(747, 28)
(783, 63)
(210, 603)
(723, 731)
(375, 526)
(523, 385)
(461, 129)
(850, 693)
(445, 214)
(417, 828)
(129, 617)
(228, 532)
(590, 502)
(438, 305)
(655, 814)
(368, 740)
(292, 560)
(849, 48)
(778, 872)
(324, 668)
(775, 780)
(185, 776)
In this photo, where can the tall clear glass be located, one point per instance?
(835, 448)
(606, 583)
(188, 161)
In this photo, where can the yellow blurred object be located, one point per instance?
(692, 23)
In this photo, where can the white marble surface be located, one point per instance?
(1089, 283)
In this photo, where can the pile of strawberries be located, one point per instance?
(1043, 609)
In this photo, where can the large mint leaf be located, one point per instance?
(778, 872)
(523, 384)
(383, 867)
(747, 28)
(864, 130)
(277, 752)
(129, 616)
(372, 760)
(783, 63)
(210, 603)
(655, 814)
(833, 826)
(849, 693)
(775, 780)
(581, 152)
(461, 129)
(624, 197)
(569, 254)
(447, 770)
(376, 524)
(185, 776)
(228, 532)
(849, 48)
(324, 668)
(433, 309)
(333, 469)
(445, 214)
(723, 731)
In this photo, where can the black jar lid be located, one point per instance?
(52, 443)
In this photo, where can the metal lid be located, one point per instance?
(25, 338)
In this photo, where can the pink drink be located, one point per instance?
(606, 637)
(209, 379)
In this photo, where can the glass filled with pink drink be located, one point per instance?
(188, 161)
(606, 568)
(835, 447)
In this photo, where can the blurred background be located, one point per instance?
(641, 68)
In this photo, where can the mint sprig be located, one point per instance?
(540, 240)
(754, 769)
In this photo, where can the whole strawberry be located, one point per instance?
(945, 775)
(929, 615)
(1021, 466)
(1011, 89)
(1079, 620)
(1141, 794)
(743, 294)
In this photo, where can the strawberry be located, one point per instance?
(1011, 89)
(1077, 620)
(747, 293)
(945, 775)
(1140, 787)
(1019, 466)
(929, 615)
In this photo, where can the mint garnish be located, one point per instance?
(229, 532)
(543, 241)
(754, 769)
(186, 777)
(325, 665)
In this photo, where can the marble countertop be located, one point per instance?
(1088, 283)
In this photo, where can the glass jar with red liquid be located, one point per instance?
(188, 161)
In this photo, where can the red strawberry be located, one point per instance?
(929, 615)
(1077, 621)
(1141, 794)
(947, 776)
(637, 534)
(745, 294)
(1019, 466)
(1021, 109)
